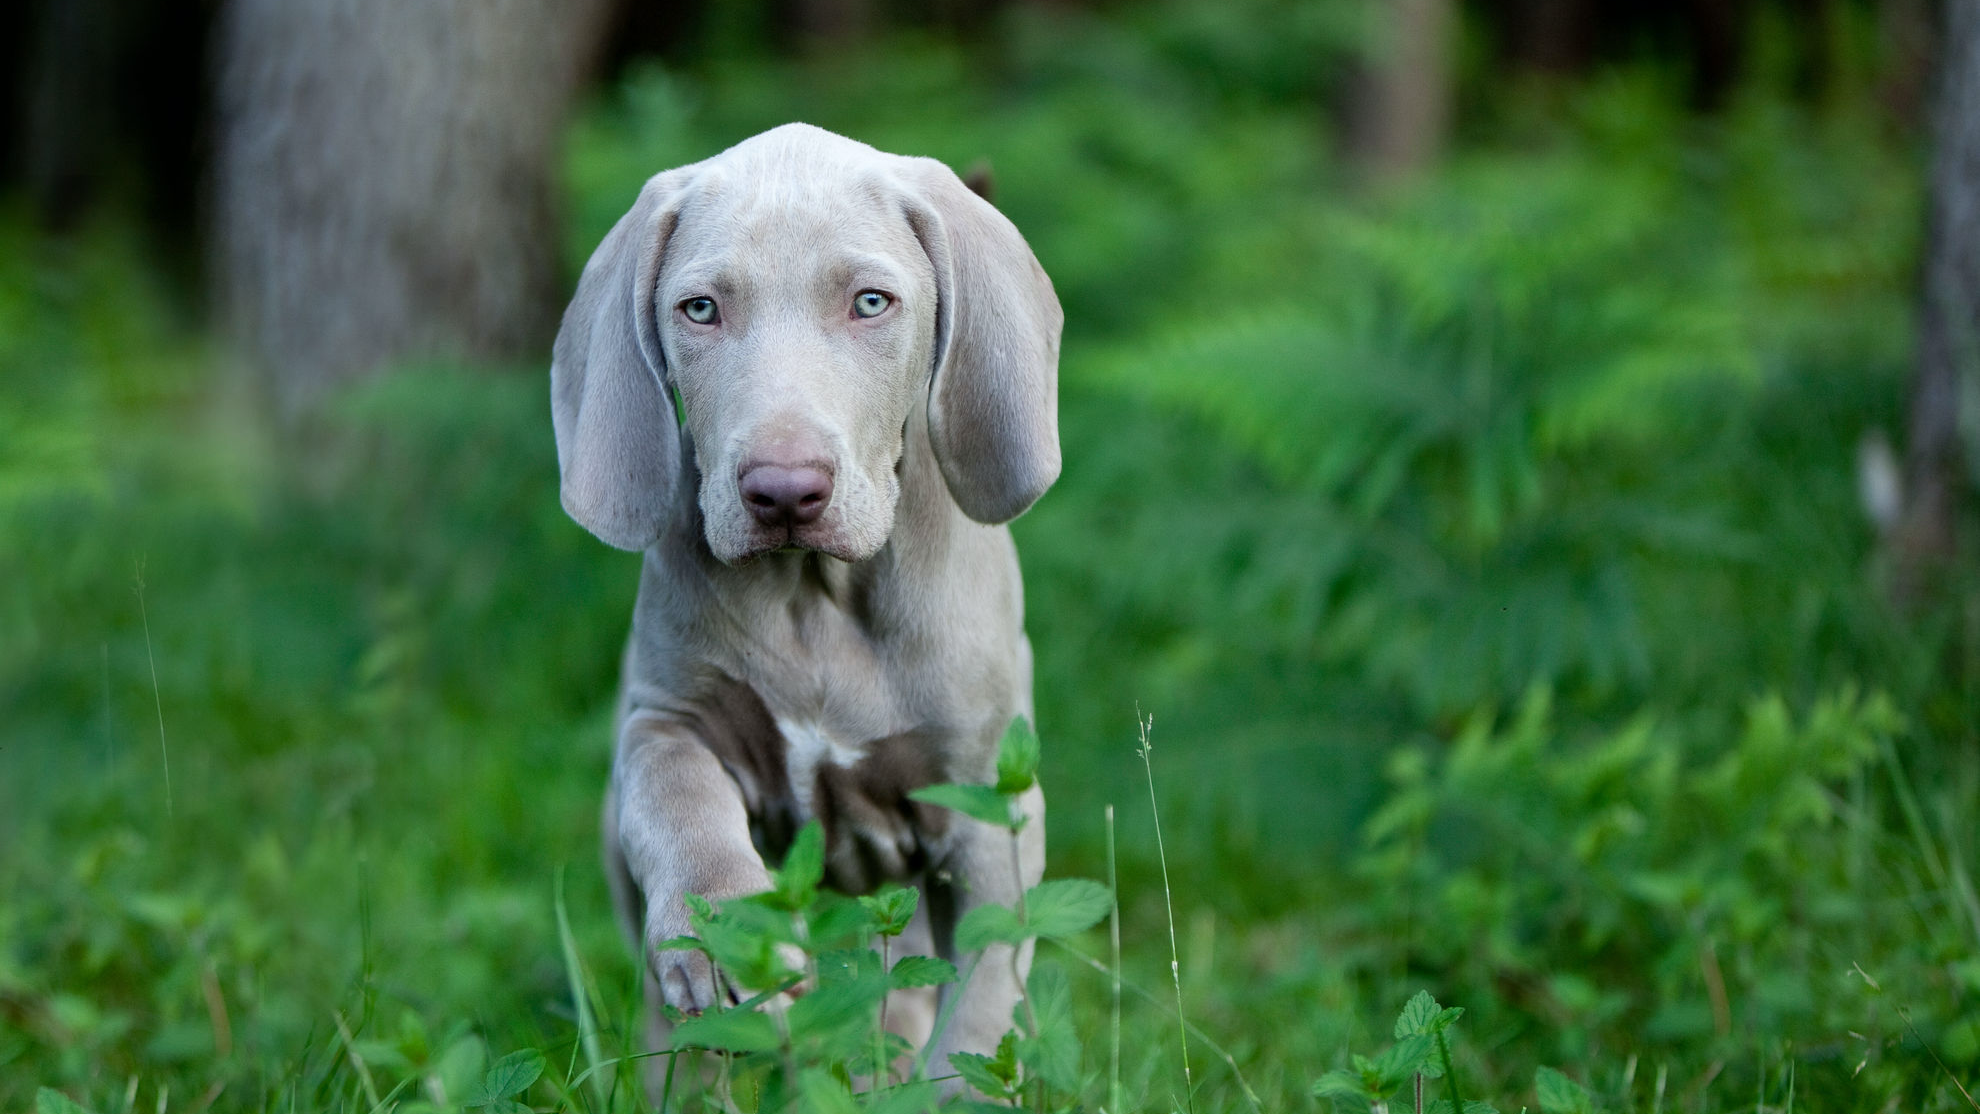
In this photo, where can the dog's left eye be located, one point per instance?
(871, 303)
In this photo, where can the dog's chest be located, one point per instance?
(809, 746)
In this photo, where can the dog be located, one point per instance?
(811, 382)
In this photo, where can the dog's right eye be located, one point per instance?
(701, 311)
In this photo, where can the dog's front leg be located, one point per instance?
(985, 869)
(682, 829)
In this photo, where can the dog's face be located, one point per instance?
(798, 323)
(801, 294)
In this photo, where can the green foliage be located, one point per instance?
(1488, 544)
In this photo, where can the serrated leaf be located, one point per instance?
(833, 920)
(1401, 1060)
(982, 1073)
(1417, 1015)
(1053, 1052)
(50, 1101)
(1065, 906)
(989, 924)
(511, 1075)
(892, 908)
(883, 1050)
(921, 970)
(1560, 1095)
(1343, 1084)
(834, 1010)
(796, 882)
(910, 1098)
(823, 1094)
(1443, 1106)
(845, 964)
(1017, 758)
(728, 1031)
(980, 801)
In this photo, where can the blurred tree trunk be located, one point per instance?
(1399, 109)
(1924, 537)
(384, 182)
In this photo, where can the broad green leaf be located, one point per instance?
(982, 1073)
(50, 1101)
(1560, 1095)
(1344, 1084)
(845, 964)
(836, 1011)
(834, 920)
(1017, 758)
(1065, 906)
(824, 1094)
(1053, 1052)
(911, 1098)
(891, 1047)
(796, 882)
(1401, 1060)
(892, 908)
(989, 924)
(980, 801)
(509, 1076)
(1415, 1015)
(730, 1031)
(1443, 1106)
(921, 970)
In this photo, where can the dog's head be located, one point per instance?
(785, 306)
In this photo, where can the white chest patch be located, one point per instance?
(806, 747)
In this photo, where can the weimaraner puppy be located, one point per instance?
(811, 382)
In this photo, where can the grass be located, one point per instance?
(1514, 630)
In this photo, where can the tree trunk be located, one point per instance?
(384, 187)
(1399, 108)
(1925, 537)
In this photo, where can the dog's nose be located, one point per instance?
(781, 495)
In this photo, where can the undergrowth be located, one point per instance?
(1489, 548)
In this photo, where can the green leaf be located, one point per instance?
(910, 1098)
(838, 1013)
(796, 882)
(50, 1101)
(729, 1031)
(833, 920)
(511, 1075)
(1065, 906)
(1560, 1095)
(1343, 1084)
(824, 1094)
(980, 801)
(921, 970)
(989, 924)
(847, 964)
(1053, 1052)
(983, 1073)
(1401, 1060)
(1443, 1106)
(1017, 758)
(892, 908)
(1424, 1015)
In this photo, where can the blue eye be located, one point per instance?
(701, 311)
(871, 303)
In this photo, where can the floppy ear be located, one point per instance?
(618, 446)
(993, 405)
